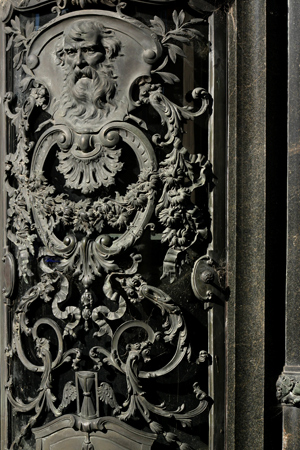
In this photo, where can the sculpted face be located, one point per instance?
(81, 55)
(85, 52)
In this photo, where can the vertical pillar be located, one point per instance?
(245, 324)
(287, 383)
(256, 221)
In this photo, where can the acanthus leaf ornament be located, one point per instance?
(83, 186)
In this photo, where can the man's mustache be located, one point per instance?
(87, 72)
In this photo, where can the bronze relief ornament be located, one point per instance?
(87, 71)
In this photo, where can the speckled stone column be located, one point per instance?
(256, 222)
(247, 225)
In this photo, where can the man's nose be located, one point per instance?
(80, 59)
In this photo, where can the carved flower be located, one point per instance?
(136, 199)
(170, 216)
(177, 196)
(118, 217)
(176, 238)
(170, 176)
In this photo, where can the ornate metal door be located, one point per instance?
(112, 304)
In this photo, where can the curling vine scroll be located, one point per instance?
(106, 213)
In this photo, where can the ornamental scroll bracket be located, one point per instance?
(84, 183)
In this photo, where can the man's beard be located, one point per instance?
(87, 93)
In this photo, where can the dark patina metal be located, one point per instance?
(84, 184)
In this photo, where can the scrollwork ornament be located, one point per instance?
(44, 398)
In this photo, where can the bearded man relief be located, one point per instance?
(86, 52)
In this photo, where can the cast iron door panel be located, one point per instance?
(107, 282)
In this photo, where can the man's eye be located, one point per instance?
(89, 50)
(70, 51)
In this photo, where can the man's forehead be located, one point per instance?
(90, 38)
